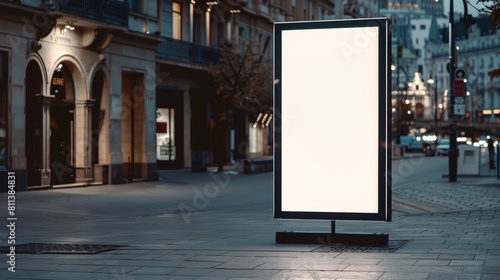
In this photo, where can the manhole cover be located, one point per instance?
(392, 247)
(44, 248)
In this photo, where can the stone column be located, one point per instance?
(83, 151)
(45, 172)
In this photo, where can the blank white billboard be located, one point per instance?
(331, 134)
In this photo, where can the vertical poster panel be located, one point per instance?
(331, 150)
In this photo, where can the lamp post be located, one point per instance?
(453, 153)
(399, 56)
(398, 114)
(431, 82)
(399, 95)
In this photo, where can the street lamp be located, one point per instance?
(398, 106)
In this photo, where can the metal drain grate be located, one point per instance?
(45, 248)
(392, 247)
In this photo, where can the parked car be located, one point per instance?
(404, 140)
(411, 143)
(443, 147)
(415, 145)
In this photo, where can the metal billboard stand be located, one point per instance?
(318, 67)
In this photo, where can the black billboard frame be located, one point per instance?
(384, 120)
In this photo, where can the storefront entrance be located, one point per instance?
(62, 127)
(62, 131)
(169, 128)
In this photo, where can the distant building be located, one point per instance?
(477, 55)
(421, 27)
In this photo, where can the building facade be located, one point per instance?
(192, 32)
(99, 92)
(476, 54)
(78, 89)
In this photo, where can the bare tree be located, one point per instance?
(243, 80)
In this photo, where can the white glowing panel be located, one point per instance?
(329, 142)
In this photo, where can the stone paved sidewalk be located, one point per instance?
(457, 237)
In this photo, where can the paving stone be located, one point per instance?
(433, 262)
(454, 276)
(239, 265)
(404, 276)
(467, 263)
(151, 271)
(251, 273)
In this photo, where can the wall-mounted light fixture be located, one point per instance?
(235, 11)
(210, 4)
(263, 119)
(69, 26)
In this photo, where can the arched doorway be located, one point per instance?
(62, 126)
(34, 125)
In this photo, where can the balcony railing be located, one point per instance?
(187, 52)
(108, 11)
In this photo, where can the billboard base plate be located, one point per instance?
(291, 237)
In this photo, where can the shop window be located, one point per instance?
(253, 135)
(165, 134)
(3, 108)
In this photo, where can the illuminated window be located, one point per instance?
(176, 20)
(253, 135)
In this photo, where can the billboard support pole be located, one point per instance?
(371, 239)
